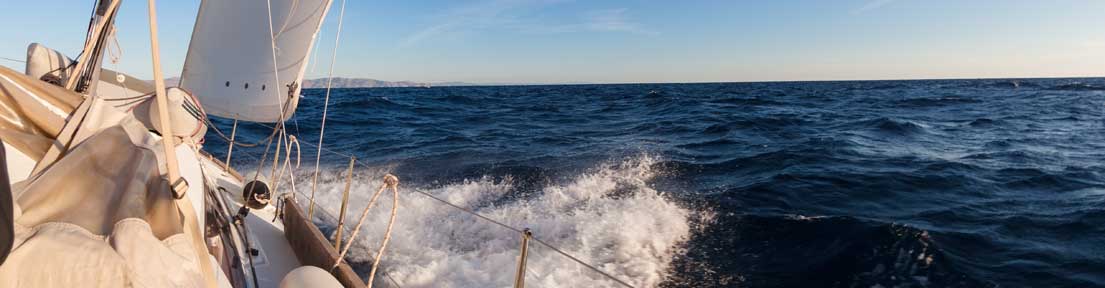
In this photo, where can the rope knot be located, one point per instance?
(391, 181)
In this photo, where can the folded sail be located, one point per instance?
(229, 65)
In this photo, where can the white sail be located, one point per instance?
(229, 66)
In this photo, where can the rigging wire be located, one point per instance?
(283, 108)
(13, 59)
(326, 106)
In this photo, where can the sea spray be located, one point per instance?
(608, 217)
(1004, 175)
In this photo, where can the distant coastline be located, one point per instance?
(344, 82)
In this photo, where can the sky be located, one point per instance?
(594, 41)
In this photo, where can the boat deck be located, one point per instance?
(275, 258)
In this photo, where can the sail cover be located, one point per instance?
(229, 66)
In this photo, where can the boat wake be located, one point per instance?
(608, 216)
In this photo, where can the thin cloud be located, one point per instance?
(511, 15)
(871, 5)
(477, 15)
(604, 20)
(613, 20)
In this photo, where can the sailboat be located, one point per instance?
(106, 182)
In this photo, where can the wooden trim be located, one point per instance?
(312, 247)
(228, 169)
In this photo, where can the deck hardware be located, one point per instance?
(180, 188)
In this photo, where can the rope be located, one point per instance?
(520, 231)
(276, 155)
(283, 108)
(143, 97)
(115, 56)
(357, 229)
(287, 162)
(390, 181)
(394, 183)
(325, 106)
(222, 135)
(469, 211)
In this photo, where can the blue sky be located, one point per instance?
(562, 41)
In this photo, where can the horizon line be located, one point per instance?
(701, 82)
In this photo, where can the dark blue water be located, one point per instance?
(956, 183)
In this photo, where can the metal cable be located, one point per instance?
(325, 106)
(13, 59)
(283, 108)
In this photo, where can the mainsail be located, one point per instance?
(229, 66)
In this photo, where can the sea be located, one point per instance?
(916, 183)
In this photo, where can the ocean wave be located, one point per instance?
(459, 99)
(710, 144)
(879, 85)
(744, 101)
(776, 123)
(1000, 175)
(1036, 180)
(984, 122)
(935, 101)
(1077, 86)
(609, 217)
(836, 251)
(891, 126)
(1012, 84)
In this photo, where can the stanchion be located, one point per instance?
(344, 204)
(230, 149)
(520, 277)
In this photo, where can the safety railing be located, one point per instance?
(525, 235)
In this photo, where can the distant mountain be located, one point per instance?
(341, 82)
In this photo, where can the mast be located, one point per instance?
(86, 73)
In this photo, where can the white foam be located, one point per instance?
(608, 217)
